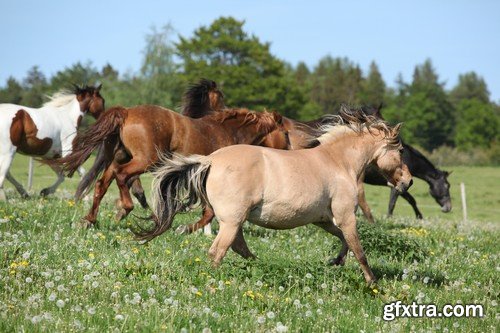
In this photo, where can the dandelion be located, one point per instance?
(91, 310)
(375, 291)
(281, 289)
(270, 315)
(324, 285)
(52, 297)
(426, 279)
(36, 319)
(135, 250)
(280, 328)
(119, 317)
(60, 303)
(296, 303)
(28, 280)
(309, 276)
(258, 283)
(308, 313)
(261, 320)
(49, 284)
(405, 287)
(320, 301)
(307, 289)
(91, 255)
(151, 291)
(95, 284)
(206, 330)
(199, 293)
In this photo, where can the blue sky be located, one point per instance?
(458, 36)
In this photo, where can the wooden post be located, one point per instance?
(464, 202)
(30, 174)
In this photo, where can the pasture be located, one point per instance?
(57, 277)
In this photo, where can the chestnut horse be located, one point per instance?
(133, 137)
(280, 189)
(47, 132)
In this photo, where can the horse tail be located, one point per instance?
(91, 176)
(179, 182)
(106, 128)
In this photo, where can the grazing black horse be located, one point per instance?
(420, 167)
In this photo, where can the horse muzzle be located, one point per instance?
(446, 208)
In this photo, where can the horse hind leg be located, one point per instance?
(334, 230)
(123, 174)
(240, 246)
(17, 185)
(208, 215)
(224, 239)
(100, 189)
(60, 178)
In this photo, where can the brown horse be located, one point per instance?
(132, 138)
(46, 133)
(282, 189)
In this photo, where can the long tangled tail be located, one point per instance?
(91, 176)
(107, 126)
(178, 182)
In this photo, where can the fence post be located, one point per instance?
(464, 202)
(30, 174)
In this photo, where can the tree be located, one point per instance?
(243, 67)
(470, 86)
(335, 81)
(161, 84)
(35, 87)
(425, 109)
(373, 88)
(477, 124)
(12, 93)
(78, 73)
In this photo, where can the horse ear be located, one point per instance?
(98, 87)
(447, 173)
(396, 129)
(278, 118)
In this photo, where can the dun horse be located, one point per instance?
(282, 189)
(132, 138)
(47, 132)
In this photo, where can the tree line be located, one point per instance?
(251, 76)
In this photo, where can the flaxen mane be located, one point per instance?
(356, 120)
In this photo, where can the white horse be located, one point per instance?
(47, 132)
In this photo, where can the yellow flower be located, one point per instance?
(197, 259)
(227, 283)
(135, 250)
(13, 265)
(71, 203)
(24, 263)
(168, 252)
(375, 291)
(91, 255)
(101, 235)
(199, 293)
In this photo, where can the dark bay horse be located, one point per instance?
(46, 132)
(420, 167)
(133, 137)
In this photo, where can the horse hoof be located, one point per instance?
(337, 261)
(118, 204)
(182, 230)
(25, 196)
(86, 224)
(45, 192)
(122, 213)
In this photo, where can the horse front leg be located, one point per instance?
(363, 204)
(5, 162)
(60, 178)
(345, 219)
(17, 185)
(208, 216)
(411, 200)
(334, 230)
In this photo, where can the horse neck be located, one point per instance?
(69, 114)
(353, 151)
(418, 165)
(248, 133)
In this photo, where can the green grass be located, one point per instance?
(56, 277)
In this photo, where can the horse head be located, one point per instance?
(390, 161)
(440, 190)
(90, 100)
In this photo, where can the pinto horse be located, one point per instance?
(47, 132)
(133, 137)
(281, 189)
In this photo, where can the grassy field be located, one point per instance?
(57, 277)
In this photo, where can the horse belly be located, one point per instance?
(288, 215)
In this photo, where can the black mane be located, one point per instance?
(196, 101)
